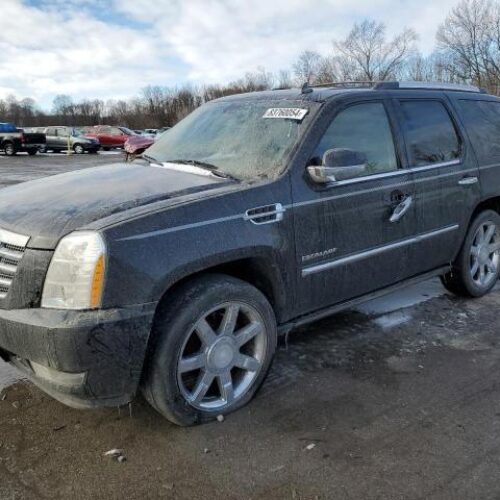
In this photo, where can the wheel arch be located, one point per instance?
(263, 272)
(487, 204)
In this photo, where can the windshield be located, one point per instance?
(235, 137)
(127, 131)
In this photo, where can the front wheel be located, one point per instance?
(212, 348)
(9, 149)
(477, 267)
(32, 151)
(78, 149)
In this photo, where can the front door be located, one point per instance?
(354, 236)
(62, 138)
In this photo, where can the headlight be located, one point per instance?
(75, 277)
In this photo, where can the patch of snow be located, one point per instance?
(393, 319)
(8, 375)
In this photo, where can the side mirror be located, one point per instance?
(338, 165)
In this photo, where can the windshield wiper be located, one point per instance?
(206, 166)
(149, 158)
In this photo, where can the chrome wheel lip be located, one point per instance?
(484, 255)
(220, 353)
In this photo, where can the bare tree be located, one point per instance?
(367, 55)
(470, 38)
(307, 66)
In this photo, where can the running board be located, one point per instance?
(329, 311)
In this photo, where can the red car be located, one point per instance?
(110, 136)
(136, 145)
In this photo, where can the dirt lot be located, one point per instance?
(398, 399)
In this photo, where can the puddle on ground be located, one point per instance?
(404, 298)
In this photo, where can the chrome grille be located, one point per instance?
(12, 247)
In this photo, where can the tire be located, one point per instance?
(42, 149)
(476, 269)
(32, 152)
(210, 367)
(105, 148)
(78, 149)
(9, 149)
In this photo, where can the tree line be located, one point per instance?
(467, 51)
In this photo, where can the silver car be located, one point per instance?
(64, 138)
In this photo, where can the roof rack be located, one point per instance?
(457, 87)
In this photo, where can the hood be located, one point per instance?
(49, 208)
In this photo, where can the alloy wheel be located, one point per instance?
(222, 356)
(485, 254)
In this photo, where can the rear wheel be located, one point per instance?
(477, 267)
(9, 149)
(212, 348)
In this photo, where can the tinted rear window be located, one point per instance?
(482, 120)
(429, 133)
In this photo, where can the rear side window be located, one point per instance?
(430, 134)
(482, 119)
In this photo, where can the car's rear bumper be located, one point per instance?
(84, 359)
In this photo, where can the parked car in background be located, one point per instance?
(136, 145)
(110, 136)
(63, 138)
(14, 140)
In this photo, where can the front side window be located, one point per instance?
(62, 132)
(429, 132)
(365, 129)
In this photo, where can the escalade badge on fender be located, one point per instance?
(290, 113)
(319, 255)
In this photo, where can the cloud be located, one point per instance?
(112, 48)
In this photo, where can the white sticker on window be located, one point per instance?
(290, 113)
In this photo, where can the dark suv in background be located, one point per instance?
(256, 214)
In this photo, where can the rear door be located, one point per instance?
(346, 243)
(445, 175)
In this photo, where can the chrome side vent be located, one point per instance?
(12, 247)
(266, 214)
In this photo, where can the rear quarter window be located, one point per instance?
(482, 121)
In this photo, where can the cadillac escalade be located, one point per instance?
(257, 213)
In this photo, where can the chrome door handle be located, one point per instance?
(401, 209)
(468, 181)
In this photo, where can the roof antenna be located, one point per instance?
(306, 89)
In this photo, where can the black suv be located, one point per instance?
(255, 214)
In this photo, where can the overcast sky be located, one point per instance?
(113, 48)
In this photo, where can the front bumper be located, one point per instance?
(85, 359)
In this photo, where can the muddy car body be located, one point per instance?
(294, 204)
